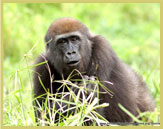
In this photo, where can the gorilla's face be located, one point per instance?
(69, 46)
(64, 51)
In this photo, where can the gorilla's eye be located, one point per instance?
(62, 41)
(74, 38)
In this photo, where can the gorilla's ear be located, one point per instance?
(90, 35)
(47, 39)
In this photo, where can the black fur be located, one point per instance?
(99, 59)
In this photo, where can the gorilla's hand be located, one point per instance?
(88, 84)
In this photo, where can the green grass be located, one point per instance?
(84, 109)
(133, 32)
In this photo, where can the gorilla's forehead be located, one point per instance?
(66, 25)
(65, 35)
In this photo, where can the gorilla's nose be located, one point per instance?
(70, 54)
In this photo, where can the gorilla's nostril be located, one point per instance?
(68, 53)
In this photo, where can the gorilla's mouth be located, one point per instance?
(73, 63)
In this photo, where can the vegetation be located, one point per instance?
(133, 32)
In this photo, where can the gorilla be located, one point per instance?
(70, 45)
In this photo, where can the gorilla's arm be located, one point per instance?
(40, 75)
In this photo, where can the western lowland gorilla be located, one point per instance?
(71, 46)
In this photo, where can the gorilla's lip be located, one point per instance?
(73, 63)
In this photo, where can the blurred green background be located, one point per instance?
(133, 30)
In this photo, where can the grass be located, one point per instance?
(85, 109)
(19, 110)
(133, 32)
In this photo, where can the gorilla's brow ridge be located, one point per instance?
(65, 35)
